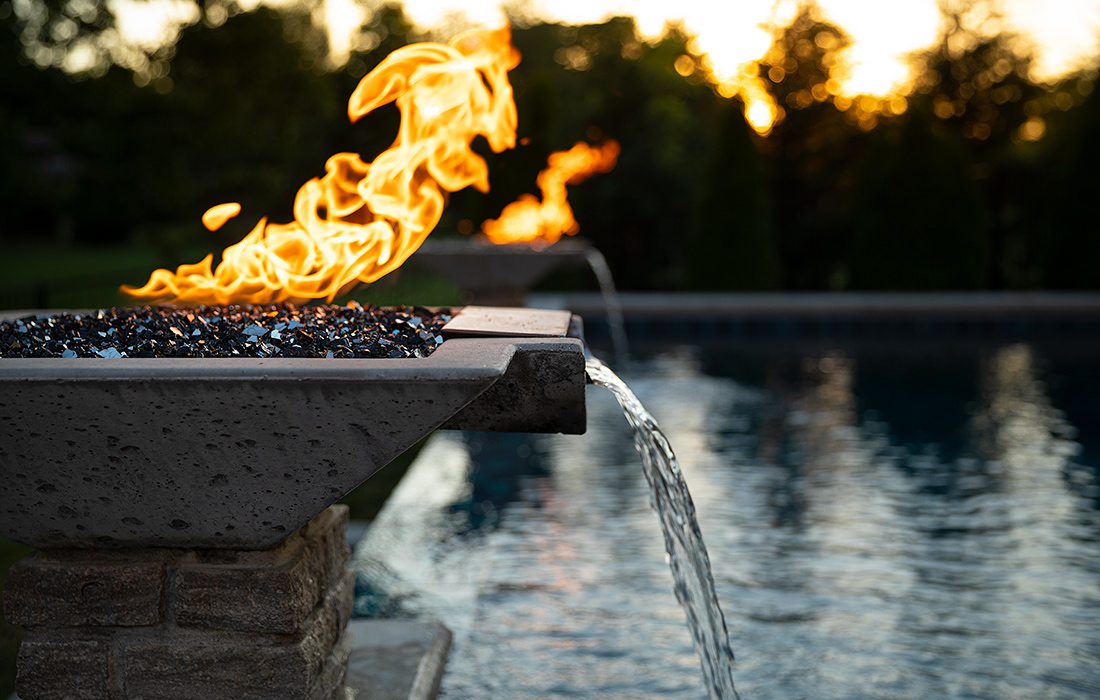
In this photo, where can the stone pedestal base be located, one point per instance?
(178, 623)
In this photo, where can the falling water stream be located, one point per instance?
(688, 558)
(598, 263)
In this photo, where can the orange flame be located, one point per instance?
(361, 220)
(527, 220)
(216, 216)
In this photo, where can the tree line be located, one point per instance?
(979, 178)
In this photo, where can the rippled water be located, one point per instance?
(916, 521)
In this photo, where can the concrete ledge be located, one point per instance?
(832, 304)
(397, 659)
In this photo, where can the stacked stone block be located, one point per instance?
(186, 624)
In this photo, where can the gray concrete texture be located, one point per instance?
(239, 453)
(397, 659)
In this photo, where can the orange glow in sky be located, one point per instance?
(883, 33)
(731, 35)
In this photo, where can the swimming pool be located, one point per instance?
(886, 519)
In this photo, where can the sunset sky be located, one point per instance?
(1065, 33)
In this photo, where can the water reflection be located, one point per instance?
(883, 522)
(503, 468)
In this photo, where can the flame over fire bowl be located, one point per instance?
(497, 274)
(239, 453)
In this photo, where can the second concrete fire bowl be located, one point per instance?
(240, 453)
(498, 275)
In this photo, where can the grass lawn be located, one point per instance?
(26, 264)
(73, 277)
(89, 277)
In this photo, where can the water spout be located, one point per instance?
(693, 581)
(611, 302)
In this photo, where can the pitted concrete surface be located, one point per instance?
(508, 406)
(397, 659)
(238, 453)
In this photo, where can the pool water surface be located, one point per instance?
(885, 520)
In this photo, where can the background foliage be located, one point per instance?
(951, 190)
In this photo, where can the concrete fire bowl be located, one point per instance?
(497, 274)
(240, 453)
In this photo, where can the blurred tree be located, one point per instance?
(36, 175)
(251, 109)
(245, 113)
(734, 244)
(918, 220)
(978, 84)
(976, 81)
(641, 213)
(108, 127)
(83, 36)
(1071, 209)
(810, 151)
(601, 81)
